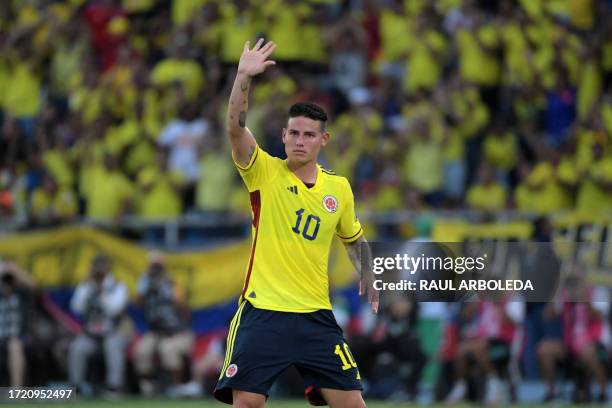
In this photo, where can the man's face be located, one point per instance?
(303, 138)
(156, 271)
(99, 270)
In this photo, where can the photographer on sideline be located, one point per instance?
(101, 301)
(15, 288)
(169, 336)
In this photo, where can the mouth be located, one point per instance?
(300, 152)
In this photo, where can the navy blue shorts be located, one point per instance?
(263, 343)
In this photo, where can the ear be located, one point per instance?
(284, 135)
(325, 138)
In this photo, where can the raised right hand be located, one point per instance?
(254, 61)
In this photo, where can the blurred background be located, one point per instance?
(125, 228)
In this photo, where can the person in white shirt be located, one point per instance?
(101, 301)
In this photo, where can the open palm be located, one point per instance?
(255, 61)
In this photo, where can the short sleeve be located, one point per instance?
(257, 170)
(349, 228)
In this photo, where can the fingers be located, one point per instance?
(267, 49)
(373, 297)
(258, 44)
(373, 300)
(268, 63)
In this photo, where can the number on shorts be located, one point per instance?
(345, 356)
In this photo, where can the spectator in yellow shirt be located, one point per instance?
(238, 24)
(582, 13)
(285, 22)
(540, 192)
(518, 54)
(501, 150)
(88, 98)
(487, 194)
(112, 193)
(51, 205)
(394, 24)
(214, 185)
(178, 67)
(388, 197)
(478, 62)
(590, 82)
(160, 190)
(423, 164)
(426, 56)
(595, 192)
(22, 94)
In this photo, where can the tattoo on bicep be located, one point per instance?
(242, 119)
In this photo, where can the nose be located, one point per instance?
(300, 140)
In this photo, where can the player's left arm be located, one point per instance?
(360, 254)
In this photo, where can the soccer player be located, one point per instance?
(284, 316)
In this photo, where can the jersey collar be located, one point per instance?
(318, 181)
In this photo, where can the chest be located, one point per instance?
(295, 209)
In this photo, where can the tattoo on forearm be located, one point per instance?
(359, 253)
(366, 252)
(242, 119)
(244, 86)
(354, 254)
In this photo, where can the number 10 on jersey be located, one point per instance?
(308, 231)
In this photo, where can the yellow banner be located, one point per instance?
(459, 230)
(62, 257)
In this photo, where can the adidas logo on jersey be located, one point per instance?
(293, 189)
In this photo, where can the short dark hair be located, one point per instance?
(310, 111)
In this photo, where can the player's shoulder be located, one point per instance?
(328, 171)
(331, 176)
(268, 158)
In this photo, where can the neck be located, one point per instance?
(307, 172)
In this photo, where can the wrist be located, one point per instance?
(242, 74)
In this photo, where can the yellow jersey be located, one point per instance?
(293, 228)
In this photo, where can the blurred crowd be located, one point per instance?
(115, 107)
